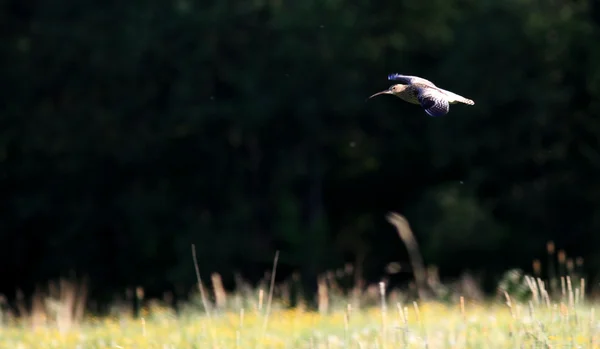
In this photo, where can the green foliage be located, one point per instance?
(461, 223)
(514, 284)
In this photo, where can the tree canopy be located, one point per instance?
(130, 130)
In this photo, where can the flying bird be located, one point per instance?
(416, 90)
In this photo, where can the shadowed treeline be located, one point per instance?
(131, 130)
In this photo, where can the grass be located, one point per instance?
(429, 326)
(531, 313)
(532, 324)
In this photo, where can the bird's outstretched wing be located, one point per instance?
(434, 102)
(409, 79)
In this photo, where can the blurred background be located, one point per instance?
(131, 130)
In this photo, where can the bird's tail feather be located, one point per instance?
(466, 101)
(454, 98)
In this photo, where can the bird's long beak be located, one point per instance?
(386, 92)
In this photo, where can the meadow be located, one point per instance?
(259, 319)
(528, 311)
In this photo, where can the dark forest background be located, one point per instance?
(131, 129)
